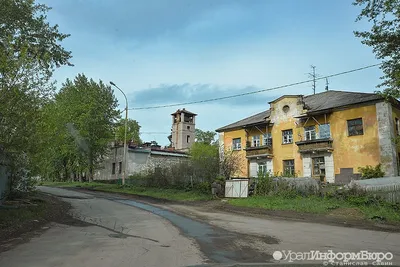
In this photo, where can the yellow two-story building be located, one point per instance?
(329, 135)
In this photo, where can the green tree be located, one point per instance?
(384, 38)
(30, 49)
(205, 160)
(206, 137)
(133, 131)
(85, 113)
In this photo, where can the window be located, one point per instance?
(355, 127)
(120, 167)
(267, 139)
(397, 126)
(113, 168)
(188, 127)
(324, 130)
(318, 166)
(285, 108)
(288, 167)
(187, 139)
(262, 168)
(237, 144)
(309, 133)
(287, 136)
(256, 141)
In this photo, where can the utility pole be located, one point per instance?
(126, 127)
(313, 76)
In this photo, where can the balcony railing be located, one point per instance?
(320, 144)
(258, 150)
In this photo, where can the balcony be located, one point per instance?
(322, 144)
(258, 151)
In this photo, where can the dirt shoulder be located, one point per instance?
(23, 218)
(343, 217)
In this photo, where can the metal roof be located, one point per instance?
(257, 118)
(336, 99)
(179, 111)
(313, 103)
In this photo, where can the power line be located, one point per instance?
(255, 92)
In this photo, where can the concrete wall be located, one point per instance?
(387, 148)
(4, 176)
(3, 182)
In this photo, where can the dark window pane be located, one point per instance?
(355, 127)
(113, 169)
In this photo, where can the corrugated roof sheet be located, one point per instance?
(314, 103)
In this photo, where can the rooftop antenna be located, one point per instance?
(326, 84)
(314, 77)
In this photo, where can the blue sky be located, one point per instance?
(172, 51)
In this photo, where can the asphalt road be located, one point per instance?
(117, 231)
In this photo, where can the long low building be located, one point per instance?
(139, 160)
(329, 134)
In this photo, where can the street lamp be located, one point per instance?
(126, 128)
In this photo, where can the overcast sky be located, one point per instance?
(172, 51)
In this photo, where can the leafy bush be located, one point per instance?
(203, 187)
(369, 171)
(264, 184)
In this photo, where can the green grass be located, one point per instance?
(317, 205)
(162, 193)
(299, 204)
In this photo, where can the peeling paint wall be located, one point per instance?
(359, 150)
(228, 137)
(349, 152)
(286, 121)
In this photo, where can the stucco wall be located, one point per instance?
(349, 152)
(355, 151)
(286, 121)
(228, 136)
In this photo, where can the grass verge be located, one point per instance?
(162, 193)
(318, 205)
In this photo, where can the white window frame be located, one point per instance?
(267, 137)
(308, 133)
(287, 136)
(255, 141)
(237, 145)
(263, 167)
